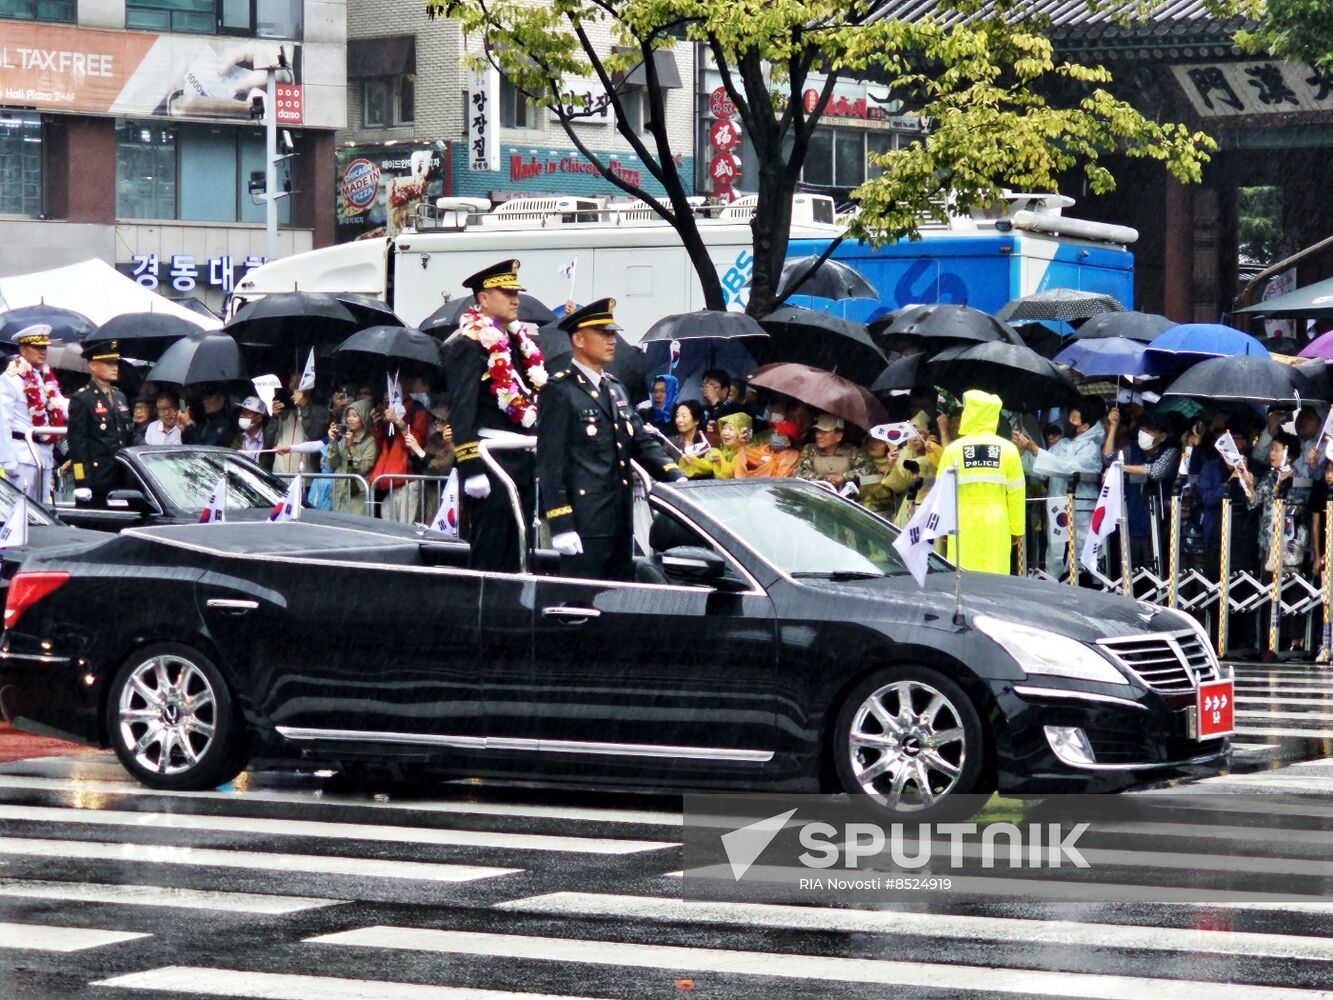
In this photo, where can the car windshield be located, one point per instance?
(186, 480)
(10, 496)
(807, 531)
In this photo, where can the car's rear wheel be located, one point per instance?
(910, 739)
(172, 721)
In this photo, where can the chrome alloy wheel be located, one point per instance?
(167, 714)
(907, 746)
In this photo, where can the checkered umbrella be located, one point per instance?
(1059, 304)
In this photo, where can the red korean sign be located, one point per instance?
(724, 135)
(719, 104)
(291, 103)
(1216, 705)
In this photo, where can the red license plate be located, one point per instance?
(1217, 709)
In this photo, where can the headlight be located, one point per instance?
(1038, 651)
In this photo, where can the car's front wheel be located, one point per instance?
(172, 720)
(911, 739)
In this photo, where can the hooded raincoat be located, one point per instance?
(991, 491)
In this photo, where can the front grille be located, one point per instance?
(1170, 662)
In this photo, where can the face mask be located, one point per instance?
(1146, 440)
(1071, 431)
(245, 423)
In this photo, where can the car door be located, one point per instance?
(665, 670)
(381, 653)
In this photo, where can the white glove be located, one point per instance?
(477, 487)
(568, 543)
(83, 494)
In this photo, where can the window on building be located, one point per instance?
(837, 156)
(40, 10)
(20, 164)
(516, 111)
(877, 143)
(634, 106)
(387, 71)
(256, 18)
(191, 173)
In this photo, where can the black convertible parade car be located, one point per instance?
(771, 639)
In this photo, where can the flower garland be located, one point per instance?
(41, 392)
(512, 394)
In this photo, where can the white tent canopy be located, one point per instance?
(94, 288)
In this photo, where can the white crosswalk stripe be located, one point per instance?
(807, 968)
(1279, 703)
(540, 900)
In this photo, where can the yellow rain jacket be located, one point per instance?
(991, 491)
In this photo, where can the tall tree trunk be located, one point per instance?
(771, 229)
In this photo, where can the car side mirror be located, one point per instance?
(128, 500)
(694, 562)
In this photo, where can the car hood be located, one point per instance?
(1086, 615)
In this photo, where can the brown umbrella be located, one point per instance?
(822, 390)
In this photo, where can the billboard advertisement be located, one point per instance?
(133, 74)
(380, 186)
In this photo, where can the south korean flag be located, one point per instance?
(215, 511)
(289, 507)
(935, 518)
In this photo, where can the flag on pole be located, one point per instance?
(14, 534)
(446, 518)
(396, 406)
(216, 509)
(308, 376)
(675, 355)
(289, 507)
(936, 517)
(1105, 516)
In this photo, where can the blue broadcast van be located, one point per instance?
(986, 264)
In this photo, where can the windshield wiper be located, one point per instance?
(840, 574)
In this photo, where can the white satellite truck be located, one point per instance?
(622, 251)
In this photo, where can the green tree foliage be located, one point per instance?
(978, 70)
(1298, 30)
(1259, 224)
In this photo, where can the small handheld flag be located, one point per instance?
(675, 355)
(14, 534)
(1105, 516)
(567, 270)
(895, 435)
(215, 511)
(308, 376)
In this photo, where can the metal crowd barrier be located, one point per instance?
(351, 477)
(410, 483)
(1268, 601)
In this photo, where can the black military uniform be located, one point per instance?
(100, 424)
(488, 525)
(587, 435)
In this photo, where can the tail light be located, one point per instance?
(26, 589)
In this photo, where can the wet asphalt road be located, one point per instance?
(286, 886)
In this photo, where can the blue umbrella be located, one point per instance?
(1111, 357)
(1205, 340)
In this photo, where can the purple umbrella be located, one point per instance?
(1320, 347)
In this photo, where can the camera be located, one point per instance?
(283, 396)
(912, 466)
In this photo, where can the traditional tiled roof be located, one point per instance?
(1074, 25)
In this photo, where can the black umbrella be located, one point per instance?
(369, 311)
(831, 280)
(207, 357)
(902, 375)
(1059, 303)
(390, 346)
(146, 335)
(292, 320)
(1140, 326)
(444, 320)
(705, 324)
(630, 364)
(1018, 375)
(946, 324)
(1041, 338)
(1245, 378)
(820, 340)
(65, 324)
(1311, 302)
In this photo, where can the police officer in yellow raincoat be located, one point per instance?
(991, 489)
